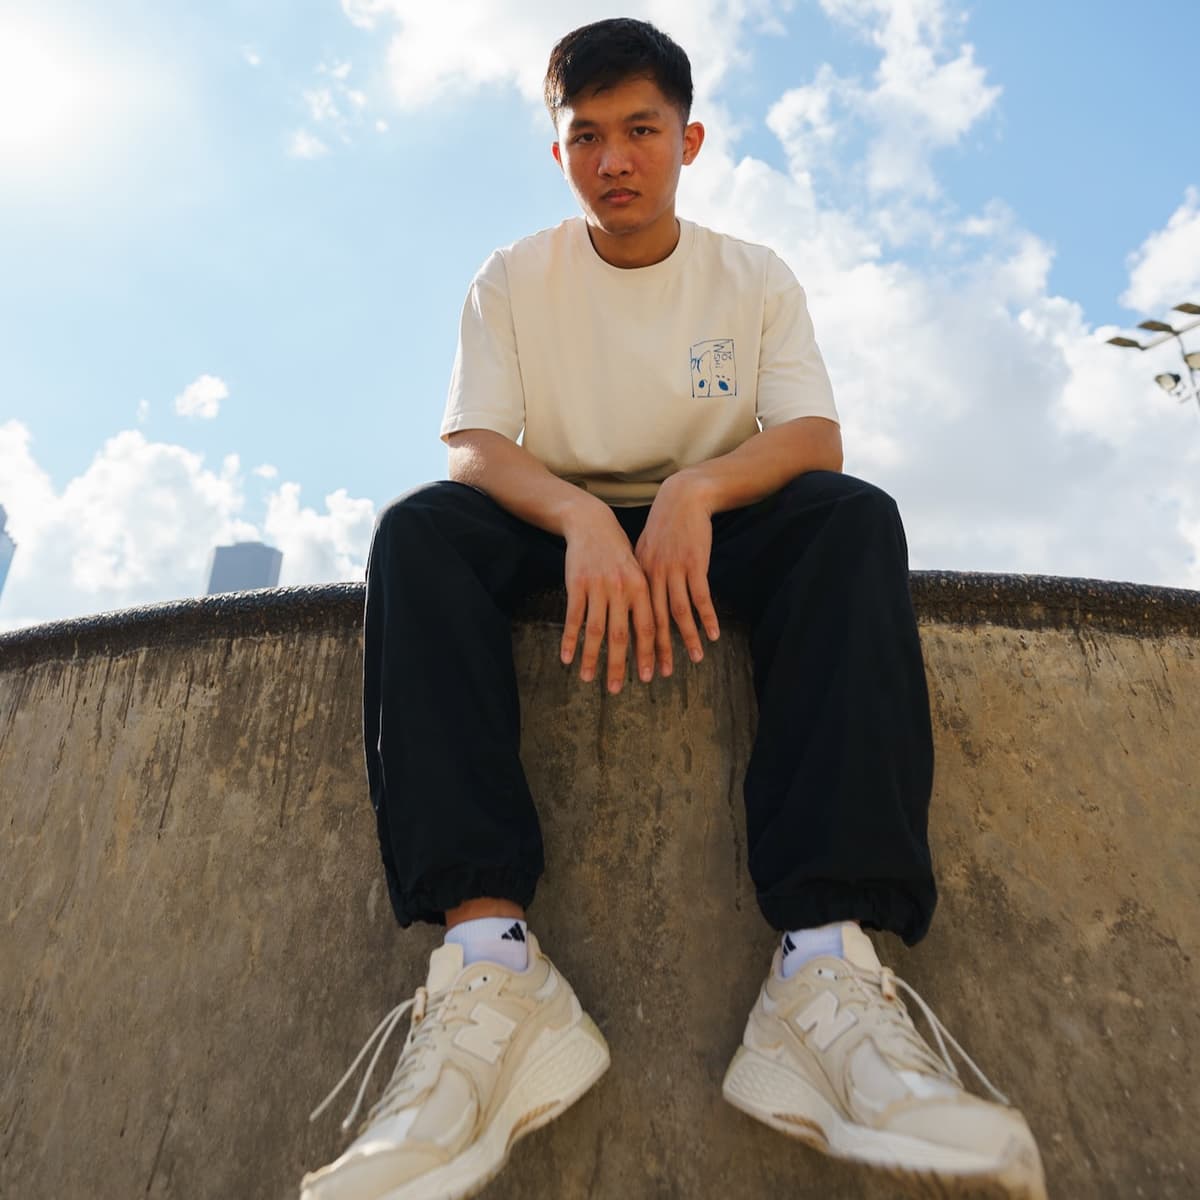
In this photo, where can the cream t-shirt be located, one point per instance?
(621, 377)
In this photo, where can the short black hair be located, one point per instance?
(606, 53)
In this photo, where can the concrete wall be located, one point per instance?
(195, 937)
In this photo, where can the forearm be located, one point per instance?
(517, 481)
(762, 464)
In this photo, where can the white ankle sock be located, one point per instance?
(492, 939)
(801, 945)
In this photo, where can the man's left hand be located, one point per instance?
(674, 552)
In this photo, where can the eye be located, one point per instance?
(644, 129)
(579, 137)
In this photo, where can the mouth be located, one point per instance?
(619, 196)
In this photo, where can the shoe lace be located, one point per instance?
(420, 1038)
(885, 983)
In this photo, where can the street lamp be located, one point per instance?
(1170, 383)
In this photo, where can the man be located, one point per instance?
(640, 353)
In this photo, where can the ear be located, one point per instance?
(557, 152)
(693, 139)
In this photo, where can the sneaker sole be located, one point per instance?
(778, 1097)
(544, 1090)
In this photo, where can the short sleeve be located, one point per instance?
(485, 383)
(792, 379)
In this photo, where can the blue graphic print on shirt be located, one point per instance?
(714, 369)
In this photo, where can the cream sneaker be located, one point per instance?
(831, 1057)
(491, 1054)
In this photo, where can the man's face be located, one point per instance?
(621, 150)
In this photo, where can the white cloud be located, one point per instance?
(136, 526)
(321, 106)
(306, 145)
(139, 524)
(921, 101)
(143, 411)
(364, 13)
(251, 56)
(334, 105)
(266, 471)
(320, 547)
(1165, 269)
(996, 219)
(27, 489)
(803, 121)
(436, 49)
(202, 398)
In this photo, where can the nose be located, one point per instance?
(613, 161)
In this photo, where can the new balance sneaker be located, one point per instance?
(830, 1056)
(491, 1054)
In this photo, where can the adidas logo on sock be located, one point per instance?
(788, 944)
(515, 934)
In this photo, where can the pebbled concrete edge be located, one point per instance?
(946, 597)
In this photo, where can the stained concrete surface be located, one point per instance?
(196, 938)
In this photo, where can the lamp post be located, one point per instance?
(1171, 383)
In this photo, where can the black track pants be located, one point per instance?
(837, 788)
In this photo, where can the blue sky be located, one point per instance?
(994, 189)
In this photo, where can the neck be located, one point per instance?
(641, 249)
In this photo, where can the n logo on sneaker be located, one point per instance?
(824, 1022)
(487, 1036)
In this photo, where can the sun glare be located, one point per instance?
(43, 96)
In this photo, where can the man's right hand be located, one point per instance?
(606, 583)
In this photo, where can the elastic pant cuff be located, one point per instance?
(904, 911)
(429, 901)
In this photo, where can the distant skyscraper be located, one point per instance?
(243, 565)
(7, 546)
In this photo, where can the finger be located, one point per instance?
(681, 610)
(662, 623)
(643, 631)
(702, 602)
(576, 599)
(618, 642)
(593, 634)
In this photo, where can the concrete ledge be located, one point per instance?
(196, 939)
(1017, 601)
